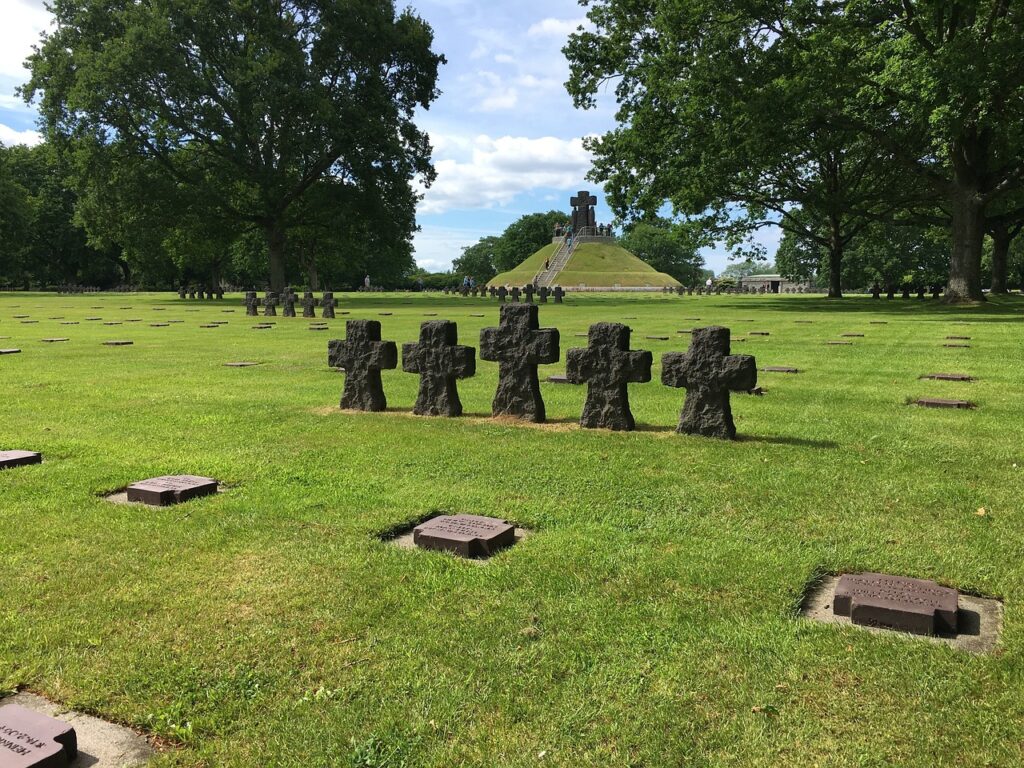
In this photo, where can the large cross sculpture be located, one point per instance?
(583, 211)
(363, 356)
(606, 366)
(708, 372)
(518, 346)
(440, 362)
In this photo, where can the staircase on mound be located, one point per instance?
(561, 256)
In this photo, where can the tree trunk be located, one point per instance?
(835, 262)
(1000, 257)
(314, 274)
(275, 248)
(968, 240)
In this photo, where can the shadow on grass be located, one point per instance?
(799, 442)
(997, 308)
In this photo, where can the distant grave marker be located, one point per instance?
(779, 369)
(118, 343)
(758, 333)
(851, 335)
(938, 402)
(948, 377)
(957, 346)
(32, 740)
(958, 338)
(55, 340)
(657, 338)
(328, 303)
(242, 364)
(469, 536)
(897, 602)
(606, 366)
(10, 459)
(839, 343)
(171, 489)
(9, 351)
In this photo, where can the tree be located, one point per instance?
(899, 254)
(245, 107)
(524, 237)
(16, 221)
(667, 248)
(477, 260)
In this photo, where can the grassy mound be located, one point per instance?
(594, 265)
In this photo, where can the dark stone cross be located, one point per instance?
(363, 356)
(270, 304)
(181, 292)
(250, 304)
(518, 346)
(708, 372)
(289, 303)
(607, 365)
(308, 305)
(502, 293)
(440, 362)
(515, 293)
(528, 293)
(543, 294)
(583, 211)
(328, 304)
(558, 293)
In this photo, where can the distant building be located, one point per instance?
(772, 284)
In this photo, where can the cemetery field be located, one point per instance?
(649, 619)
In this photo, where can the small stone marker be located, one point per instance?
(708, 372)
(878, 322)
(31, 740)
(558, 379)
(948, 377)
(897, 602)
(288, 302)
(958, 338)
(94, 318)
(851, 335)
(70, 322)
(607, 365)
(779, 369)
(839, 343)
(29, 322)
(519, 345)
(10, 459)
(243, 364)
(363, 356)
(758, 333)
(210, 325)
(657, 338)
(464, 535)
(20, 317)
(55, 340)
(440, 362)
(262, 327)
(957, 346)
(122, 343)
(112, 323)
(938, 402)
(159, 325)
(171, 489)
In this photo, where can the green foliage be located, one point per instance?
(240, 110)
(667, 248)
(524, 236)
(477, 260)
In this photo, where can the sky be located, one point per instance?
(507, 139)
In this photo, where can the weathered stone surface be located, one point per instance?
(308, 305)
(55, 340)
(558, 379)
(118, 343)
(10, 459)
(170, 489)
(708, 372)
(9, 351)
(515, 293)
(657, 338)
(270, 304)
(31, 740)
(518, 346)
(937, 402)
(958, 338)
(363, 356)
(779, 369)
(839, 343)
(851, 335)
(464, 535)
(251, 304)
(911, 605)
(607, 365)
(240, 364)
(759, 333)
(288, 301)
(948, 377)
(957, 346)
(440, 362)
(328, 303)
(557, 294)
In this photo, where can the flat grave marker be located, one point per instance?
(29, 739)
(948, 377)
(958, 338)
(9, 351)
(241, 364)
(469, 536)
(758, 333)
(938, 402)
(10, 459)
(558, 379)
(54, 340)
(957, 346)
(919, 606)
(657, 338)
(839, 343)
(779, 369)
(851, 335)
(118, 343)
(170, 489)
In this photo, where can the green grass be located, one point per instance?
(593, 264)
(650, 619)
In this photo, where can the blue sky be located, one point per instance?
(507, 140)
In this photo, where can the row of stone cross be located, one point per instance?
(526, 293)
(288, 300)
(190, 293)
(606, 365)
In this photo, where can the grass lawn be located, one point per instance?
(650, 620)
(593, 264)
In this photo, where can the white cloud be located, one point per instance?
(504, 58)
(498, 169)
(436, 247)
(555, 27)
(9, 137)
(23, 22)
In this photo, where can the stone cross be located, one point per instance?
(502, 293)
(583, 211)
(606, 366)
(493, 291)
(181, 292)
(528, 293)
(289, 303)
(543, 294)
(192, 293)
(558, 293)
(363, 356)
(328, 304)
(440, 362)
(308, 305)
(708, 372)
(250, 304)
(518, 346)
(515, 293)
(270, 304)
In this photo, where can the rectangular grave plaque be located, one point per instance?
(464, 535)
(948, 377)
(31, 740)
(19, 458)
(938, 402)
(171, 489)
(910, 605)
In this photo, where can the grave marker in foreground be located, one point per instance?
(31, 740)
(606, 366)
(10, 459)
(518, 345)
(911, 605)
(440, 361)
(464, 535)
(170, 489)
